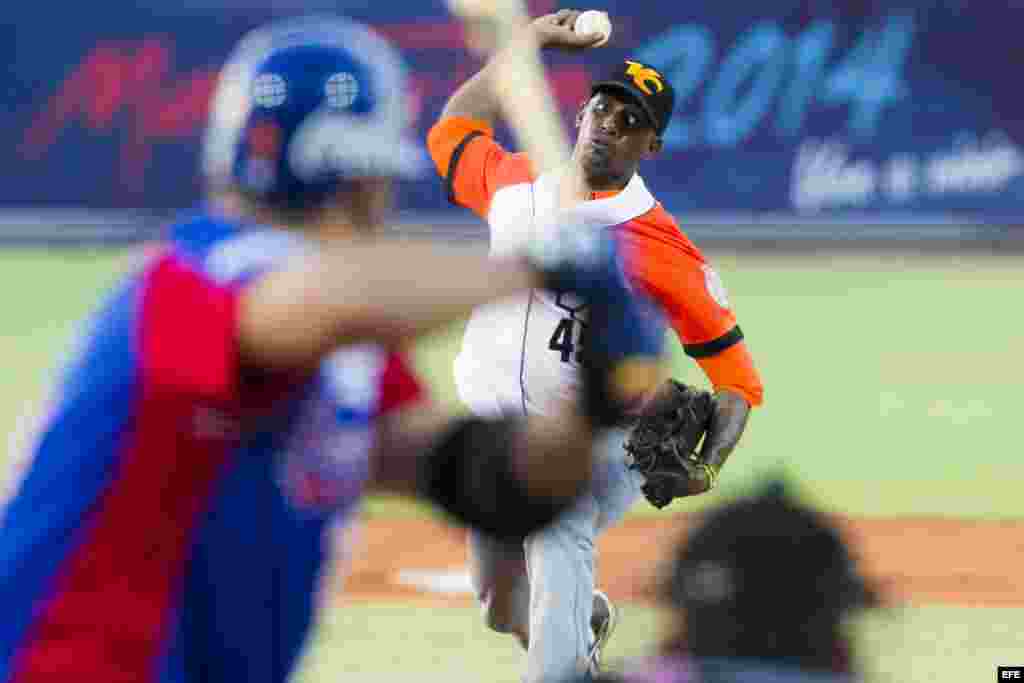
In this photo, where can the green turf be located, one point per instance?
(442, 645)
(891, 381)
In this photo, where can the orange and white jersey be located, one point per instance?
(522, 354)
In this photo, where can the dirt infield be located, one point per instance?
(915, 561)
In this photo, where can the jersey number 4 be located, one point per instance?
(568, 339)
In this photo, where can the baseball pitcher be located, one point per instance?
(523, 356)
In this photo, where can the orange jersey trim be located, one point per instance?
(472, 163)
(734, 369)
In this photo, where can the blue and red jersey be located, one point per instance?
(174, 501)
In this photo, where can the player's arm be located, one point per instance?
(382, 292)
(694, 302)
(386, 293)
(461, 143)
(731, 371)
(200, 339)
(728, 422)
(475, 99)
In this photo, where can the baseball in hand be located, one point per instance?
(594, 21)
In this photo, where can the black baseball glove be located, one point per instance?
(663, 443)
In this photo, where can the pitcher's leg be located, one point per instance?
(499, 578)
(616, 487)
(560, 565)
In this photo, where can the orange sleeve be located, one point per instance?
(673, 272)
(468, 159)
(734, 369)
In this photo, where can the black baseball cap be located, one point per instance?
(644, 84)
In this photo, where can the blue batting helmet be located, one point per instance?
(303, 105)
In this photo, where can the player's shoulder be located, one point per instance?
(228, 250)
(449, 138)
(657, 230)
(515, 169)
(510, 188)
(195, 232)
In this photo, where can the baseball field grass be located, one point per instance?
(397, 642)
(892, 390)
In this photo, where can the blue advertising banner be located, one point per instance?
(891, 111)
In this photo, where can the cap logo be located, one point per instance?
(341, 90)
(645, 77)
(269, 90)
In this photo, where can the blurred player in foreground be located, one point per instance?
(172, 519)
(738, 615)
(522, 357)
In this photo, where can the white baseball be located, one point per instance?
(594, 21)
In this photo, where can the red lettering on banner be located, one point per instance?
(133, 79)
(129, 87)
(423, 35)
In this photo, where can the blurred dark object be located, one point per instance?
(817, 571)
(759, 592)
(767, 578)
